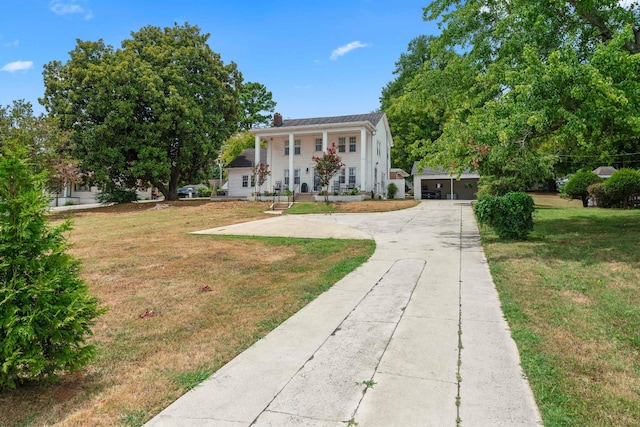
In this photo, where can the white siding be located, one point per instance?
(307, 135)
(400, 184)
(235, 183)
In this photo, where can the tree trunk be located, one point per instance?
(633, 46)
(172, 191)
(585, 201)
(161, 188)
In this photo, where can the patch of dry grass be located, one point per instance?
(571, 294)
(179, 305)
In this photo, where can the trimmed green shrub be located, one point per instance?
(498, 186)
(597, 192)
(205, 192)
(392, 189)
(576, 187)
(117, 194)
(511, 215)
(623, 184)
(45, 308)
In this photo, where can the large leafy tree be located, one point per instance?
(154, 111)
(418, 101)
(256, 109)
(46, 146)
(234, 145)
(256, 106)
(541, 85)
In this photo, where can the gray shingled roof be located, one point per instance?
(247, 158)
(605, 171)
(372, 118)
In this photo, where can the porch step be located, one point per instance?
(280, 206)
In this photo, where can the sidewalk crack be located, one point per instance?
(460, 347)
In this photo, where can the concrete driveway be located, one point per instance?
(413, 337)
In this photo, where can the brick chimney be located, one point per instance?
(277, 120)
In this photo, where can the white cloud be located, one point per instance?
(14, 43)
(70, 7)
(346, 49)
(12, 67)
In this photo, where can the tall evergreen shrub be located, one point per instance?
(45, 308)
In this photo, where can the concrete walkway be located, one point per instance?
(414, 337)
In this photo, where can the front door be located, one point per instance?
(316, 181)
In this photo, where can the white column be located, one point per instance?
(363, 160)
(325, 141)
(257, 145)
(291, 161)
(256, 161)
(269, 183)
(452, 187)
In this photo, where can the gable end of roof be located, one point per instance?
(246, 158)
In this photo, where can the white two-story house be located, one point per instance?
(363, 142)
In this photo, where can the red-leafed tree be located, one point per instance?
(327, 166)
(260, 172)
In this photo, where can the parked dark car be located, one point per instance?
(431, 194)
(188, 191)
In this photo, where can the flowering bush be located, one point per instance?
(327, 166)
(261, 172)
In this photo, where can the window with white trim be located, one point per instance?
(80, 187)
(286, 177)
(318, 144)
(343, 174)
(286, 147)
(352, 175)
(342, 141)
(352, 144)
(296, 176)
(245, 181)
(297, 144)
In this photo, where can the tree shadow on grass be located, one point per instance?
(589, 237)
(36, 403)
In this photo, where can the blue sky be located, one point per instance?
(318, 58)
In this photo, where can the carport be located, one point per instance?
(439, 184)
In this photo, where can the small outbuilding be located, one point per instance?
(440, 184)
(240, 170)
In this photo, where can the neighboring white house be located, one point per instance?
(363, 142)
(81, 194)
(439, 184)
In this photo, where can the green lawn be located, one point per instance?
(351, 207)
(571, 294)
